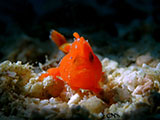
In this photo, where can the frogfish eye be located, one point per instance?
(91, 57)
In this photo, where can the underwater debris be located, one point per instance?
(20, 87)
(145, 111)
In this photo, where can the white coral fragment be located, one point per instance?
(93, 104)
(74, 99)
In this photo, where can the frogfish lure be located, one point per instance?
(80, 67)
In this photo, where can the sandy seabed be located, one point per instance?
(125, 89)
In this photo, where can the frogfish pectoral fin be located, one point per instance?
(44, 75)
(54, 72)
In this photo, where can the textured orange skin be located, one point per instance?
(80, 68)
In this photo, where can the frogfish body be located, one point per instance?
(80, 67)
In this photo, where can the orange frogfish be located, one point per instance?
(80, 67)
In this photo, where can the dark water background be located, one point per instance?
(112, 26)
